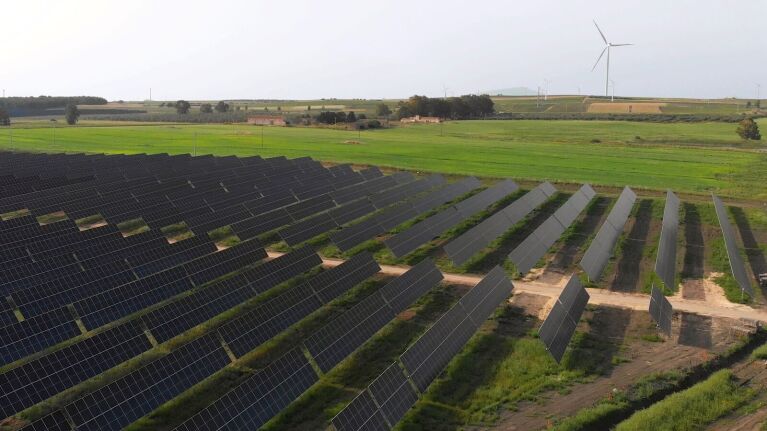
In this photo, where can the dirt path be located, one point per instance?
(632, 301)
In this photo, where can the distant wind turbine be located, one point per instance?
(607, 48)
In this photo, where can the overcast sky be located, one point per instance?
(228, 49)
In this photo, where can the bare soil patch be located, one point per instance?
(630, 265)
(624, 330)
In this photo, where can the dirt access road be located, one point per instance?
(598, 296)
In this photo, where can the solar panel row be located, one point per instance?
(462, 248)
(42, 331)
(527, 254)
(665, 262)
(125, 400)
(737, 266)
(275, 315)
(37, 380)
(264, 394)
(141, 400)
(339, 338)
(356, 234)
(410, 239)
(661, 310)
(595, 259)
(386, 400)
(559, 326)
(259, 398)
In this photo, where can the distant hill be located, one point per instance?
(513, 91)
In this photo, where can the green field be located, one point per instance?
(687, 157)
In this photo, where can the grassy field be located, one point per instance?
(693, 158)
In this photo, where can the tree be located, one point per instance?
(748, 129)
(182, 107)
(5, 118)
(222, 106)
(72, 114)
(206, 108)
(351, 117)
(383, 110)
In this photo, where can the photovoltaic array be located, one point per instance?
(560, 324)
(665, 262)
(81, 297)
(129, 292)
(601, 248)
(527, 254)
(432, 227)
(462, 248)
(260, 397)
(737, 266)
(383, 404)
(661, 310)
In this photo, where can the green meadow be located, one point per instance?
(686, 157)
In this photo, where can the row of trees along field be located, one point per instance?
(457, 108)
(46, 102)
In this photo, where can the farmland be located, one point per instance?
(689, 158)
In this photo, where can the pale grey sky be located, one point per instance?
(305, 49)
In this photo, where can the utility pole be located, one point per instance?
(194, 152)
(262, 139)
(53, 120)
(538, 96)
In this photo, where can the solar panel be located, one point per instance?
(661, 310)
(737, 266)
(24, 338)
(665, 262)
(462, 248)
(339, 338)
(307, 229)
(259, 398)
(125, 400)
(55, 421)
(361, 414)
(393, 393)
(351, 211)
(429, 355)
(48, 375)
(597, 255)
(559, 326)
(407, 241)
(532, 248)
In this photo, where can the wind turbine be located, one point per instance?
(607, 48)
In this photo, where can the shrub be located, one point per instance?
(748, 129)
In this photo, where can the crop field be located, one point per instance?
(689, 158)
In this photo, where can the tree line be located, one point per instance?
(46, 102)
(457, 108)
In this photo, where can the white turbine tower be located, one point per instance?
(607, 48)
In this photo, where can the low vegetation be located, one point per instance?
(535, 150)
(693, 408)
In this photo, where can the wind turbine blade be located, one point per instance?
(600, 32)
(621, 44)
(599, 58)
